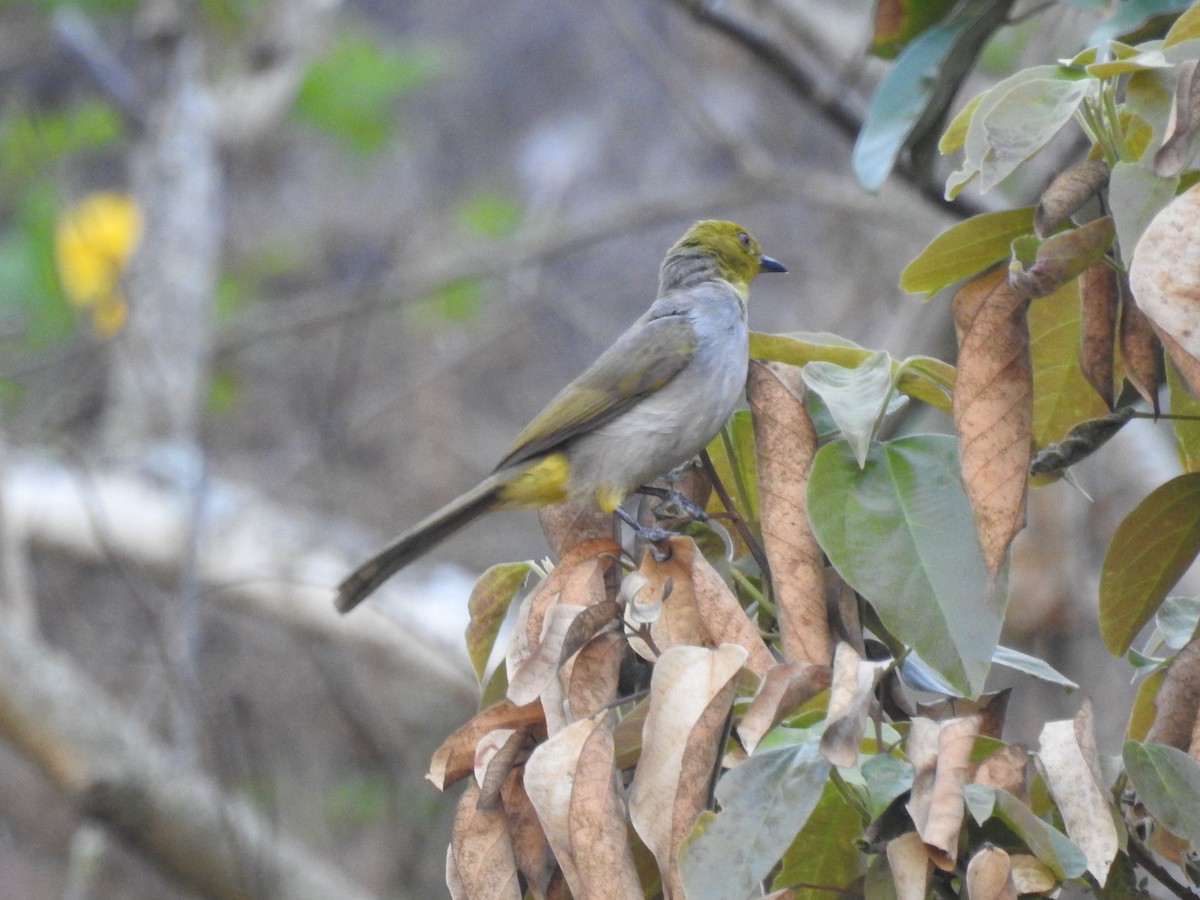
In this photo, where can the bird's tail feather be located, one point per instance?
(419, 539)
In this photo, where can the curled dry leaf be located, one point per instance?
(785, 441)
(571, 782)
(851, 696)
(483, 862)
(1068, 192)
(1098, 305)
(910, 866)
(1068, 760)
(989, 875)
(455, 758)
(533, 674)
(1177, 703)
(1041, 269)
(787, 686)
(496, 755)
(1165, 272)
(531, 850)
(1079, 443)
(577, 580)
(993, 408)
(690, 695)
(593, 676)
(695, 607)
(1141, 351)
(939, 808)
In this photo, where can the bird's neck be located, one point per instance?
(686, 268)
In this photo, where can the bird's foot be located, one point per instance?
(651, 536)
(674, 504)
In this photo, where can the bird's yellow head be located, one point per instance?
(713, 247)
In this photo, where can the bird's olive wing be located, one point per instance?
(641, 361)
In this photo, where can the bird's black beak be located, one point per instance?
(766, 264)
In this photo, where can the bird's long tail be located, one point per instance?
(419, 539)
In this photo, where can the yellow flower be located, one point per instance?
(92, 243)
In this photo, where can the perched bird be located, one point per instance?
(652, 401)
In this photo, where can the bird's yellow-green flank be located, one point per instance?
(650, 402)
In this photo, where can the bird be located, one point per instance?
(650, 402)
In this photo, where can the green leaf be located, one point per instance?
(455, 301)
(886, 778)
(490, 598)
(1178, 620)
(1014, 119)
(914, 95)
(490, 214)
(349, 93)
(738, 473)
(856, 398)
(1062, 397)
(1186, 28)
(1126, 65)
(1168, 784)
(1152, 547)
(824, 852)
(1135, 196)
(956, 132)
(1187, 430)
(764, 802)
(901, 532)
(965, 250)
(1031, 665)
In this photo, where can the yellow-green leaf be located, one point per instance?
(965, 249)
(1185, 28)
(490, 599)
(1062, 397)
(956, 132)
(1152, 547)
(1187, 431)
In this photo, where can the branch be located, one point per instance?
(118, 773)
(259, 559)
(831, 104)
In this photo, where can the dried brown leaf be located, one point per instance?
(1098, 306)
(1177, 703)
(785, 441)
(593, 678)
(851, 697)
(496, 755)
(531, 850)
(455, 758)
(695, 607)
(939, 817)
(989, 875)
(567, 525)
(1068, 192)
(587, 624)
(991, 707)
(599, 822)
(690, 695)
(1185, 364)
(530, 678)
(993, 408)
(910, 866)
(483, 856)
(1068, 761)
(1165, 271)
(1141, 351)
(786, 686)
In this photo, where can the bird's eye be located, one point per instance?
(744, 239)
